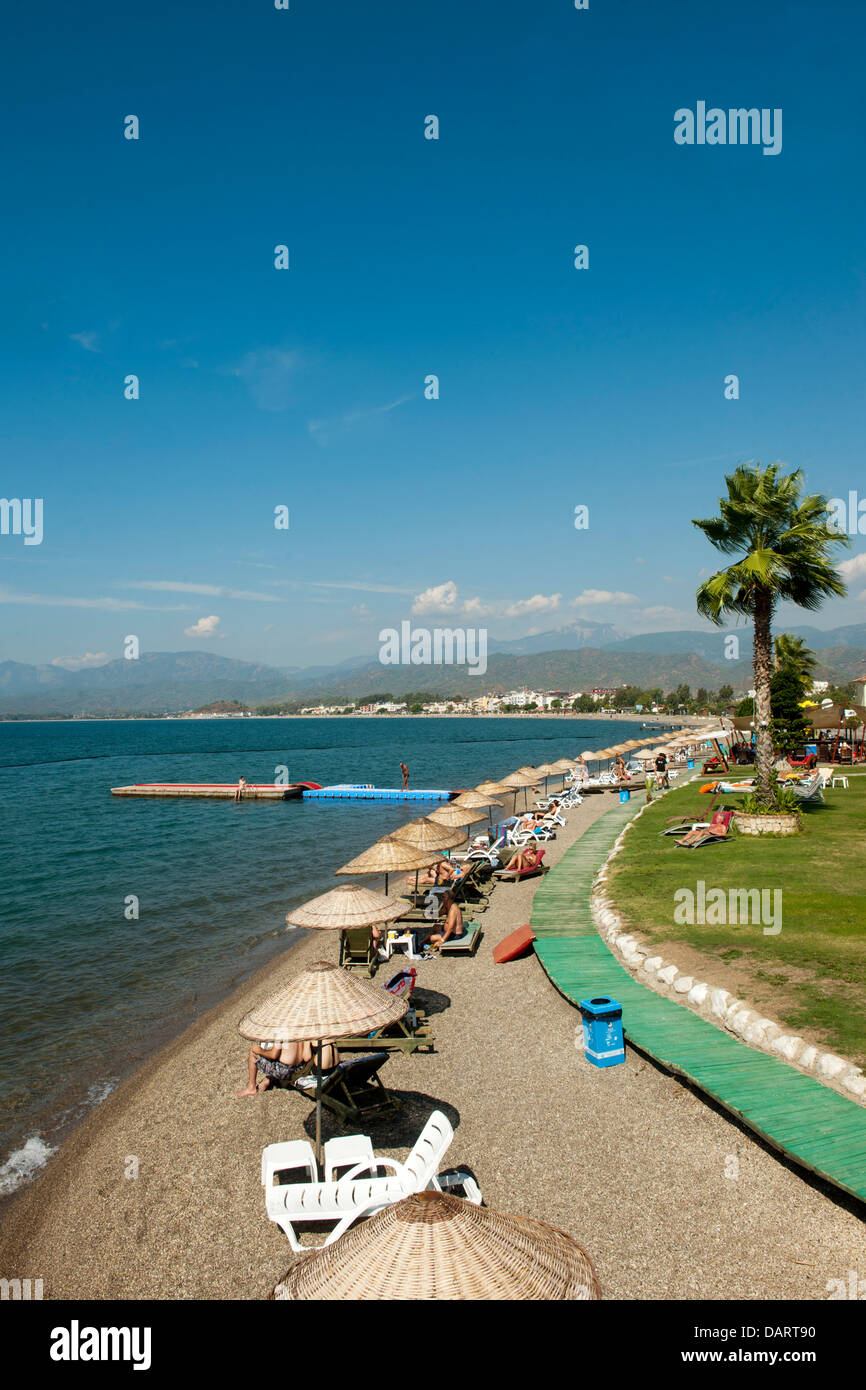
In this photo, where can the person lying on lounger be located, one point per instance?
(718, 826)
(446, 871)
(523, 860)
(453, 928)
(279, 1061)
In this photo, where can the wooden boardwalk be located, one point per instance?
(811, 1124)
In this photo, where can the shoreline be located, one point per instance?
(189, 1222)
(32, 1144)
(675, 720)
(92, 1091)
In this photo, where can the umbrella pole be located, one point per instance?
(319, 1103)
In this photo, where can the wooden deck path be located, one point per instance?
(808, 1122)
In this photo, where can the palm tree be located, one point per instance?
(783, 540)
(793, 655)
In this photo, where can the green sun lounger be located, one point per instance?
(465, 945)
(357, 950)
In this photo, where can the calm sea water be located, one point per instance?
(86, 994)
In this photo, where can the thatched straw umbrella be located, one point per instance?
(435, 1246)
(389, 856)
(347, 906)
(425, 834)
(545, 770)
(497, 789)
(455, 815)
(519, 780)
(474, 800)
(320, 1005)
(494, 789)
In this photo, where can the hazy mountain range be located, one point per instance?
(576, 657)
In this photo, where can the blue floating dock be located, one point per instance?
(361, 792)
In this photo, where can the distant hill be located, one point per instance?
(552, 670)
(570, 637)
(711, 645)
(157, 682)
(170, 682)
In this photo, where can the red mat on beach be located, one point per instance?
(513, 945)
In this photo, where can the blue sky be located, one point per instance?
(409, 257)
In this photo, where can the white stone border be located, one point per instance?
(716, 1005)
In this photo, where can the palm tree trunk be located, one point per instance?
(763, 656)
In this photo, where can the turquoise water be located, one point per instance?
(85, 994)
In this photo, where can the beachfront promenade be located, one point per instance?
(629, 1161)
(807, 1121)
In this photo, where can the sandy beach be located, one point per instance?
(628, 1160)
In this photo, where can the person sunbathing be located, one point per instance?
(718, 826)
(446, 871)
(453, 929)
(523, 860)
(280, 1062)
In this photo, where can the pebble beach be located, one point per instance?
(157, 1194)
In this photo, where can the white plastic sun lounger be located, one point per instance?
(353, 1197)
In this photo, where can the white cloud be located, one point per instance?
(476, 608)
(269, 376)
(855, 568)
(603, 596)
(108, 605)
(81, 663)
(539, 603)
(445, 599)
(320, 429)
(89, 341)
(440, 598)
(361, 612)
(361, 586)
(205, 627)
(177, 586)
(662, 610)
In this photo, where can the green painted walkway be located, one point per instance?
(810, 1123)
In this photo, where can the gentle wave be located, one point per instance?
(23, 1165)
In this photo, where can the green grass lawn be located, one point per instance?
(812, 974)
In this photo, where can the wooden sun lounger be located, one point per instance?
(683, 823)
(396, 1037)
(358, 951)
(465, 945)
(352, 1090)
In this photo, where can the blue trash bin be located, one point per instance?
(690, 762)
(602, 1031)
(625, 794)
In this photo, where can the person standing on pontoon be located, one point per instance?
(405, 771)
